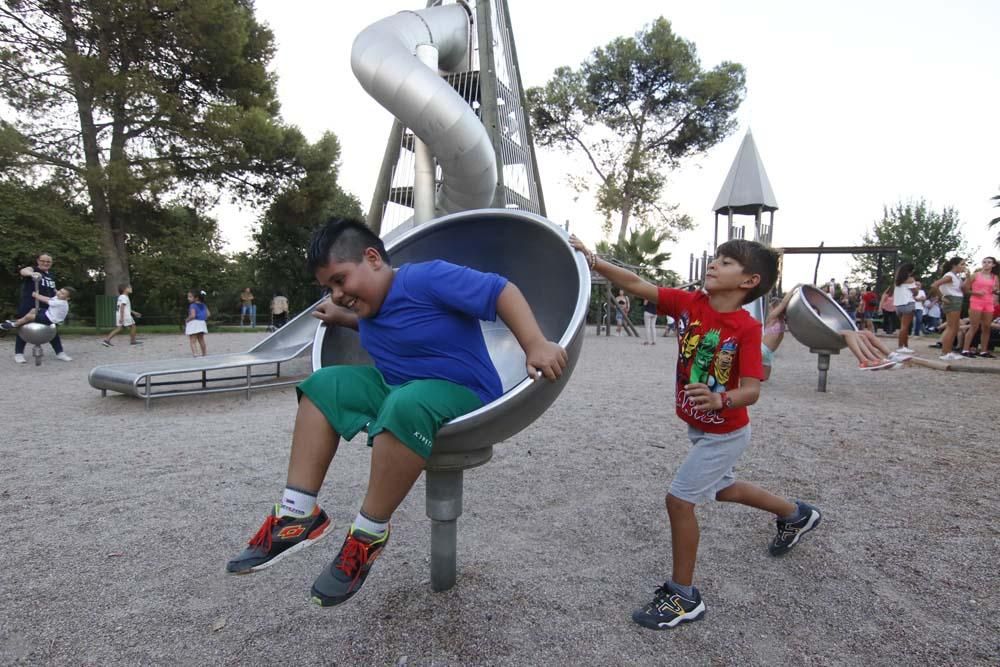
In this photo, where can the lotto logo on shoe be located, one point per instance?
(290, 532)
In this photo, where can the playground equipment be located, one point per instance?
(535, 255)
(36, 333)
(213, 373)
(816, 320)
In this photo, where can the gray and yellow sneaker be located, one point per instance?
(342, 578)
(669, 609)
(790, 532)
(280, 536)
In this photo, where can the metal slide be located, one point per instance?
(213, 373)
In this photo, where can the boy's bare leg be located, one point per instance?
(25, 319)
(394, 469)
(752, 495)
(131, 334)
(114, 332)
(684, 536)
(314, 442)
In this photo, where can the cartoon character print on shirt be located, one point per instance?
(697, 354)
(703, 357)
(722, 369)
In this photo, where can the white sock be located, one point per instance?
(370, 526)
(296, 503)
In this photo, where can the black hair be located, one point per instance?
(198, 294)
(952, 263)
(72, 292)
(756, 258)
(122, 287)
(342, 240)
(996, 267)
(903, 272)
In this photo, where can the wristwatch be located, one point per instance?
(726, 401)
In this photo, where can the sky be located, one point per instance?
(853, 106)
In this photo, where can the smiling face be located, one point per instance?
(63, 294)
(988, 264)
(44, 262)
(358, 286)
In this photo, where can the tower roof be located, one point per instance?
(746, 189)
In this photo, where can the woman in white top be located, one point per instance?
(950, 287)
(902, 299)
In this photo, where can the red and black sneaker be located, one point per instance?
(342, 578)
(278, 537)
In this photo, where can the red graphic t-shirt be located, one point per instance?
(870, 299)
(716, 349)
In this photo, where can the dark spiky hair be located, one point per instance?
(754, 258)
(342, 240)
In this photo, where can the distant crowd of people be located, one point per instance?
(42, 303)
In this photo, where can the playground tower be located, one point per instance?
(746, 191)
(487, 77)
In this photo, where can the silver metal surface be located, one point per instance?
(535, 255)
(816, 320)
(37, 333)
(189, 376)
(383, 61)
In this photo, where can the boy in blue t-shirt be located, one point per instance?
(420, 325)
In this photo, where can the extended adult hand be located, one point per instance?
(546, 359)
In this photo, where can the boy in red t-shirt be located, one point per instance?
(719, 373)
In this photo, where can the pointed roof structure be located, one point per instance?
(746, 190)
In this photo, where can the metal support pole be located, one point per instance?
(444, 506)
(823, 364)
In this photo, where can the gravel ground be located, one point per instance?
(119, 522)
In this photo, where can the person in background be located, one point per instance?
(918, 310)
(950, 287)
(123, 317)
(47, 288)
(649, 320)
(932, 316)
(983, 286)
(624, 306)
(903, 302)
(248, 308)
(279, 310)
(869, 307)
(196, 323)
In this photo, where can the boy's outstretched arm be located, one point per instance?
(541, 356)
(624, 278)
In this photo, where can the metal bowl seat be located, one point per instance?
(37, 333)
(535, 255)
(816, 320)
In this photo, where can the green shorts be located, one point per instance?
(951, 304)
(355, 398)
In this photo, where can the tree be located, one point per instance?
(43, 219)
(131, 100)
(641, 254)
(635, 108)
(283, 236)
(923, 236)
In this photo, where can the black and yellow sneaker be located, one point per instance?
(342, 578)
(790, 532)
(279, 537)
(669, 609)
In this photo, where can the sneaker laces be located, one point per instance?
(263, 536)
(353, 557)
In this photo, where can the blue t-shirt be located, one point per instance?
(428, 327)
(200, 310)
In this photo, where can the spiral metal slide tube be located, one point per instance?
(383, 61)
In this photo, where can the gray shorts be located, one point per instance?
(906, 309)
(708, 467)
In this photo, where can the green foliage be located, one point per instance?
(639, 253)
(283, 236)
(34, 220)
(924, 237)
(634, 108)
(129, 100)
